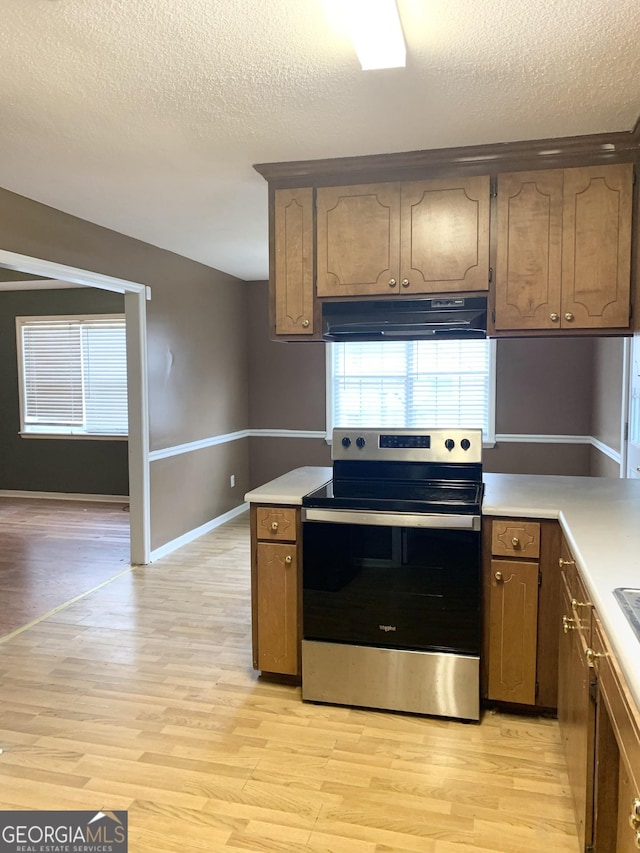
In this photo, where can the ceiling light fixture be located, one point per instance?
(376, 32)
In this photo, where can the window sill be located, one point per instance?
(74, 436)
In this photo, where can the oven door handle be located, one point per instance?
(393, 519)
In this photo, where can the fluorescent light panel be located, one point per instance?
(375, 30)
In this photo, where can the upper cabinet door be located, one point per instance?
(358, 232)
(293, 261)
(445, 236)
(596, 263)
(529, 260)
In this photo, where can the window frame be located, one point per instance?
(66, 432)
(488, 439)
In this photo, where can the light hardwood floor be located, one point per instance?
(141, 696)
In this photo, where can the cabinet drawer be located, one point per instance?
(515, 539)
(276, 523)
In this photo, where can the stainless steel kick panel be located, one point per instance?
(433, 683)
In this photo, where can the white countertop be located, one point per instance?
(599, 516)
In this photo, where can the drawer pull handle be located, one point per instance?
(288, 559)
(515, 542)
(568, 624)
(498, 576)
(274, 526)
(562, 563)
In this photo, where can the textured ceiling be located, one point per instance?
(146, 115)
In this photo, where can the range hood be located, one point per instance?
(442, 318)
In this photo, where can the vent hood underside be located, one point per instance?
(417, 319)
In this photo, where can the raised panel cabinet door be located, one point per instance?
(529, 250)
(358, 240)
(445, 235)
(513, 613)
(277, 612)
(293, 261)
(596, 251)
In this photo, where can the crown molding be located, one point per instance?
(615, 147)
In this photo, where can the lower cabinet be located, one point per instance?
(275, 538)
(576, 699)
(521, 585)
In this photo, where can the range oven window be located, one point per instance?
(398, 587)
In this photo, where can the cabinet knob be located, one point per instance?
(591, 655)
(405, 282)
(274, 526)
(562, 563)
(305, 324)
(515, 542)
(568, 316)
(554, 317)
(568, 624)
(288, 560)
(635, 807)
(575, 603)
(498, 576)
(392, 282)
(636, 840)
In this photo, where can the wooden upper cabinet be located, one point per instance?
(564, 249)
(358, 239)
(293, 261)
(407, 238)
(596, 249)
(445, 235)
(529, 262)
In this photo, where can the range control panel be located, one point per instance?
(408, 445)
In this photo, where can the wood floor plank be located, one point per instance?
(141, 696)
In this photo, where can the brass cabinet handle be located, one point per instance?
(498, 576)
(274, 526)
(575, 603)
(554, 317)
(636, 840)
(568, 624)
(392, 282)
(591, 655)
(305, 324)
(569, 316)
(635, 808)
(515, 542)
(288, 559)
(405, 282)
(562, 563)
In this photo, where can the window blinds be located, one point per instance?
(74, 375)
(413, 384)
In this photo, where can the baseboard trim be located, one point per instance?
(169, 547)
(64, 496)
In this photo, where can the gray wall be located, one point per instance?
(197, 355)
(543, 388)
(80, 466)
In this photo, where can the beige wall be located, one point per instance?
(197, 354)
(543, 388)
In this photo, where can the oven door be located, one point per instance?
(392, 580)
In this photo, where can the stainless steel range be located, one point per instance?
(391, 573)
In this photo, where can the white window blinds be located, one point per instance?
(73, 375)
(414, 384)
